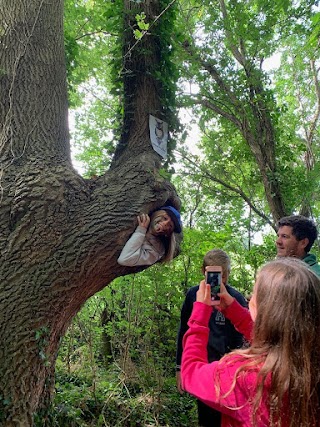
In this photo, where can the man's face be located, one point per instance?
(288, 245)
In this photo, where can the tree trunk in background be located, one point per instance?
(143, 93)
(60, 235)
(107, 317)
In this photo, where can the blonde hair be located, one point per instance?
(285, 348)
(218, 257)
(169, 241)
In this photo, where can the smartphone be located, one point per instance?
(213, 274)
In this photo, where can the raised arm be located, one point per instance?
(238, 315)
(198, 376)
(137, 250)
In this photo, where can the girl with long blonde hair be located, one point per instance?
(276, 381)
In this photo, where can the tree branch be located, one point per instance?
(238, 191)
(314, 121)
(214, 107)
(240, 57)
(212, 70)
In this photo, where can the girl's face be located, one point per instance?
(162, 224)
(253, 303)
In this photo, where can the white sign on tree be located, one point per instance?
(158, 135)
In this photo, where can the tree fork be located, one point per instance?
(60, 234)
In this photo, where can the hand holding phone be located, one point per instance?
(213, 275)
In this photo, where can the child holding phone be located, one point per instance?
(275, 382)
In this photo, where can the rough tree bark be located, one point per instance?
(60, 235)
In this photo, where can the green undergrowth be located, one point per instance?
(114, 401)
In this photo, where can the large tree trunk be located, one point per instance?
(60, 235)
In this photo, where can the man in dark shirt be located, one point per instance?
(222, 337)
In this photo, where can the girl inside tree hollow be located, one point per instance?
(154, 238)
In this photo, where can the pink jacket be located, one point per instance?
(241, 319)
(198, 376)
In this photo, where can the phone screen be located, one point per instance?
(214, 280)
